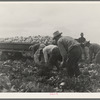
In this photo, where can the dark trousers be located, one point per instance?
(72, 62)
(54, 57)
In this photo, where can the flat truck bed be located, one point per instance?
(12, 49)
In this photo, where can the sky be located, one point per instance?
(44, 18)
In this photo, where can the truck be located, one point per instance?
(15, 50)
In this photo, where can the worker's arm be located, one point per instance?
(45, 55)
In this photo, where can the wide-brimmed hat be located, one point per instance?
(55, 34)
(42, 46)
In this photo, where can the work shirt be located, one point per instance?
(81, 40)
(93, 49)
(65, 44)
(48, 50)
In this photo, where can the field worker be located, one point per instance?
(34, 47)
(52, 56)
(70, 51)
(94, 52)
(38, 56)
(82, 40)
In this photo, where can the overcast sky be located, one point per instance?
(43, 18)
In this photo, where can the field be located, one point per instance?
(24, 76)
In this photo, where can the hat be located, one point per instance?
(55, 34)
(82, 33)
(42, 46)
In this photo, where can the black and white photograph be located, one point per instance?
(50, 47)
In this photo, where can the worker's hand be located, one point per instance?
(62, 64)
(46, 63)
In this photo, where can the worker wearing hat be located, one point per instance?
(82, 40)
(34, 48)
(70, 51)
